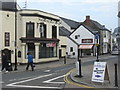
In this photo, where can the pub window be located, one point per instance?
(54, 31)
(47, 52)
(71, 49)
(30, 30)
(43, 30)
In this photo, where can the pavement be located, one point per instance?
(87, 73)
(52, 64)
(86, 70)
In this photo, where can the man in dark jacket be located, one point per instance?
(4, 62)
(30, 62)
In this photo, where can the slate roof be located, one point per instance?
(95, 26)
(90, 29)
(73, 24)
(8, 5)
(63, 31)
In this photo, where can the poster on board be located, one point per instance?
(100, 72)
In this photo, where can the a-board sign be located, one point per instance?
(100, 72)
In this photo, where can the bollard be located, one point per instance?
(116, 79)
(64, 59)
(80, 73)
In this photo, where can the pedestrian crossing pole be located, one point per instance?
(79, 66)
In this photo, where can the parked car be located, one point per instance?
(115, 52)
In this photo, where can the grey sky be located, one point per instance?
(103, 11)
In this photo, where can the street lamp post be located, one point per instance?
(97, 37)
(15, 36)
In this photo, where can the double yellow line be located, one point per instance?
(73, 83)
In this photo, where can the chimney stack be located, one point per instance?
(87, 20)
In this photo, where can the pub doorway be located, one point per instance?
(7, 54)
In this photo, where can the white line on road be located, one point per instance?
(13, 84)
(47, 71)
(49, 81)
(25, 86)
(29, 80)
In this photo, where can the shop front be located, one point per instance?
(87, 48)
(43, 50)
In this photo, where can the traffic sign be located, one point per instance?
(97, 36)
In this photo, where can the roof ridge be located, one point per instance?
(70, 19)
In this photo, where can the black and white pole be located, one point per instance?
(79, 66)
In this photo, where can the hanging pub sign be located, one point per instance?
(7, 39)
(87, 40)
(50, 44)
(100, 72)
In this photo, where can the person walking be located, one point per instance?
(30, 62)
(4, 62)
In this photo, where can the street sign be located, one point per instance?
(97, 36)
(100, 72)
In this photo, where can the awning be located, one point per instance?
(85, 46)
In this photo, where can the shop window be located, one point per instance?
(47, 52)
(31, 49)
(54, 32)
(30, 30)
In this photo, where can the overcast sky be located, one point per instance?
(103, 11)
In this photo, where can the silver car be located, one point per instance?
(115, 52)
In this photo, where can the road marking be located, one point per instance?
(25, 86)
(47, 71)
(73, 83)
(49, 81)
(28, 80)
(20, 79)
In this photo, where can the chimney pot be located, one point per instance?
(87, 20)
(88, 17)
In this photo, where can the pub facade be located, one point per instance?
(37, 34)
